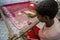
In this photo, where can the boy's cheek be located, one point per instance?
(41, 19)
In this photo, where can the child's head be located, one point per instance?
(47, 10)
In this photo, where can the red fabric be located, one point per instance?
(16, 3)
(31, 33)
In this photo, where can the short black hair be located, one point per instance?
(47, 8)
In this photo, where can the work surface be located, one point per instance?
(4, 31)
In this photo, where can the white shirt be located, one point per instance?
(52, 33)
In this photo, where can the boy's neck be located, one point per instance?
(49, 23)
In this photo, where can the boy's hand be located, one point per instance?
(40, 33)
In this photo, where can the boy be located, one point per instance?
(46, 12)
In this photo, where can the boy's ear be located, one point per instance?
(46, 18)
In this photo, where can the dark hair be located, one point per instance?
(47, 8)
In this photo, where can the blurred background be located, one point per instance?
(15, 1)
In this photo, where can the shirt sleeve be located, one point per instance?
(49, 35)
